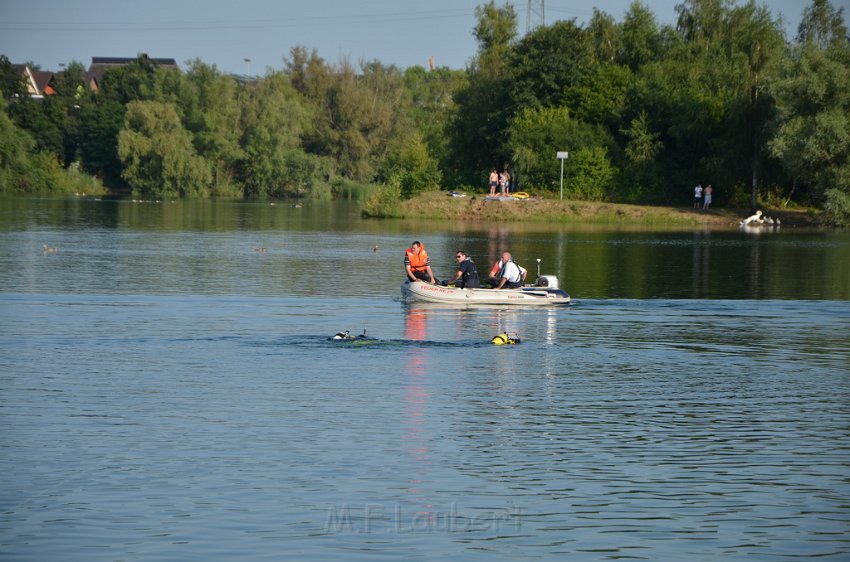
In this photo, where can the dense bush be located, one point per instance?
(384, 200)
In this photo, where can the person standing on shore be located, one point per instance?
(697, 196)
(707, 196)
(494, 181)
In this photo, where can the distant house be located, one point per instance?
(45, 81)
(99, 65)
(39, 83)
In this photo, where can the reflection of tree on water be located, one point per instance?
(701, 264)
(753, 271)
(498, 240)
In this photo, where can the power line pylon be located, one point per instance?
(534, 15)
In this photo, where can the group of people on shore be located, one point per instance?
(500, 182)
(702, 197)
(505, 273)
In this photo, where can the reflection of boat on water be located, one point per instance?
(544, 293)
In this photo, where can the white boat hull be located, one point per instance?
(534, 296)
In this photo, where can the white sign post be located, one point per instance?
(562, 156)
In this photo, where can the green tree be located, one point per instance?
(812, 137)
(536, 135)
(44, 121)
(22, 169)
(550, 63)
(384, 200)
(643, 144)
(409, 162)
(478, 127)
(606, 36)
(12, 84)
(712, 93)
(53, 119)
(15, 147)
(755, 45)
(71, 94)
(590, 175)
(157, 153)
(431, 109)
(495, 31)
(101, 119)
(675, 95)
(209, 109)
(642, 148)
(642, 42)
(822, 26)
(355, 115)
(130, 82)
(601, 96)
(701, 21)
(99, 122)
(271, 122)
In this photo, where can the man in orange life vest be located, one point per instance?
(416, 263)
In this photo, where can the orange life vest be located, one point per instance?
(419, 261)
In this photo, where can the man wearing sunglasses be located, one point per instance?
(466, 276)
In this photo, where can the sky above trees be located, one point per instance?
(224, 33)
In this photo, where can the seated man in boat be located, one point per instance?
(416, 263)
(511, 274)
(466, 276)
(495, 277)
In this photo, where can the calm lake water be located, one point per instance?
(169, 393)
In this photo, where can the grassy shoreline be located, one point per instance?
(441, 205)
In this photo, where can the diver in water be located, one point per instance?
(346, 335)
(505, 339)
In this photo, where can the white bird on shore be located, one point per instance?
(756, 218)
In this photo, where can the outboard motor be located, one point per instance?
(549, 281)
